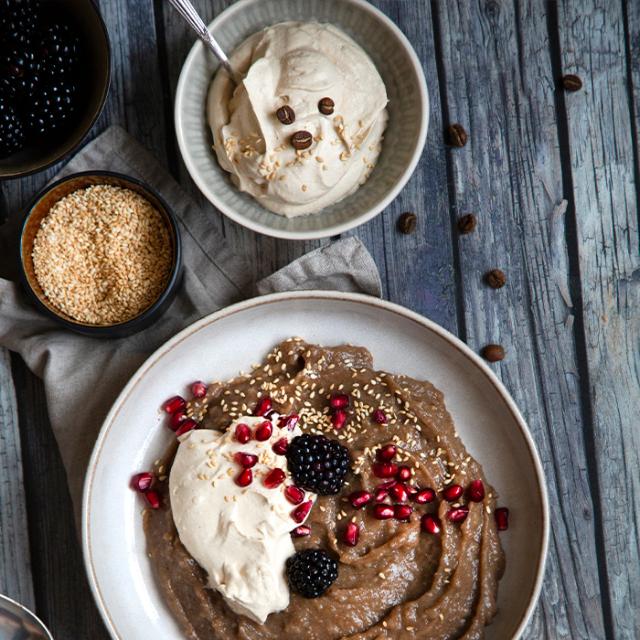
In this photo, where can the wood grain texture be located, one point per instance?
(602, 152)
(15, 563)
(419, 268)
(500, 85)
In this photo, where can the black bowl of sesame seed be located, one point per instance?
(100, 253)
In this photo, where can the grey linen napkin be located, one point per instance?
(83, 376)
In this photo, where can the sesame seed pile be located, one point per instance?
(102, 254)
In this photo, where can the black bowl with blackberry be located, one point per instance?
(54, 77)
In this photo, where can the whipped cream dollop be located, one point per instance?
(239, 535)
(296, 64)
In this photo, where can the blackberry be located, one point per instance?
(18, 21)
(12, 136)
(19, 71)
(51, 109)
(318, 464)
(311, 572)
(59, 48)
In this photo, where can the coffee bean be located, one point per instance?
(495, 278)
(571, 82)
(493, 353)
(456, 136)
(407, 222)
(286, 114)
(467, 223)
(301, 140)
(325, 106)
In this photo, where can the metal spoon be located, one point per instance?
(18, 623)
(189, 13)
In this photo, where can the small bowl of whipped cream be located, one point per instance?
(326, 127)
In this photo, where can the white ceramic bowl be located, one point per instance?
(405, 136)
(218, 346)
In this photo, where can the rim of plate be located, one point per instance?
(327, 231)
(265, 301)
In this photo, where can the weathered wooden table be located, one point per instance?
(553, 179)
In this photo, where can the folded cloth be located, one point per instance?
(83, 376)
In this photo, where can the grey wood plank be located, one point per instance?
(63, 598)
(603, 156)
(500, 85)
(15, 562)
(419, 268)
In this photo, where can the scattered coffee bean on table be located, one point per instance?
(456, 136)
(467, 223)
(493, 353)
(407, 222)
(495, 278)
(102, 255)
(571, 82)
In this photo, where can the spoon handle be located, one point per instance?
(189, 13)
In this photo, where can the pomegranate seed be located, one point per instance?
(274, 478)
(301, 531)
(246, 460)
(153, 499)
(351, 534)
(360, 499)
(430, 523)
(339, 401)
(475, 491)
(387, 484)
(380, 495)
(458, 515)
(142, 482)
(502, 518)
(379, 416)
(289, 422)
(244, 478)
(425, 496)
(264, 407)
(338, 418)
(404, 473)
(387, 452)
(243, 433)
(399, 492)
(411, 490)
(199, 389)
(452, 493)
(385, 469)
(176, 419)
(402, 511)
(383, 512)
(280, 447)
(175, 403)
(187, 425)
(264, 431)
(302, 511)
(294, 494)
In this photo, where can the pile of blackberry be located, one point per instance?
(39, 72)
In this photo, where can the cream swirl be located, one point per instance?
(239, 535)
(296, 65)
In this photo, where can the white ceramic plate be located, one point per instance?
(220, 345)
(404, 137)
